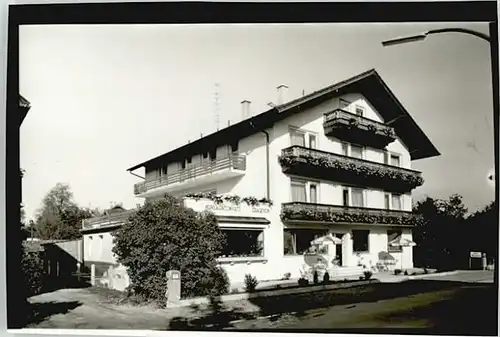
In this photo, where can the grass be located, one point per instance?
(116, 297)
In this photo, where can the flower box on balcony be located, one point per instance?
(360, 130)
(298, 211)
(334, 167)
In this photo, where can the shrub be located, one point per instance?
(303, 282)
(250, 283)
(406, 272)
(397, 271)
(368, 274)
(287, 276)
(326, 278)
(32, 272)
(163, 236)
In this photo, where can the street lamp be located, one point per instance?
(422, 36)
(494, 69)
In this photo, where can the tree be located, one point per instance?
(59, 217)
(441, 236)
(165, 236)
(482, 231)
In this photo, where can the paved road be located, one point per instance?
(456, 304)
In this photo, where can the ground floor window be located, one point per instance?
(243, 243)
(298, 241)
(360, 240)
(393, 235)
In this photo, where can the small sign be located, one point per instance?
(175, 276)
(475, 254)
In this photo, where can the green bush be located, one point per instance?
(368, 274)
(397, 271)
(165, 235)
(250, 283)
(32, 272)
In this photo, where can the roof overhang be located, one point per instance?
(369, 84)
(24, 107)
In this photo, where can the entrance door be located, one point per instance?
(338, 250)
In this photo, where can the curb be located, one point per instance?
(270, 293)
(446, 273)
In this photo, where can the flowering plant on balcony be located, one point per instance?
(234, 199)
(301, 212)
(408, 179)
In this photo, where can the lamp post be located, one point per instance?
(492, 39)
(422, 36)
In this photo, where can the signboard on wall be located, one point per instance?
(475, 254)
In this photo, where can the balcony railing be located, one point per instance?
(334, 167)
(107, 220)
(234, 162)
(300, 211)
(354, 128)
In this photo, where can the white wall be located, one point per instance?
(97, 248)
(253, 183)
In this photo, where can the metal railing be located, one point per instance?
(233, 162)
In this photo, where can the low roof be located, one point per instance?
(369, 84)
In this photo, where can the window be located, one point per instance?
(298, 241)
(345, 197)
(357, 197)
(387, 201)
(297, 138)
(101, 244)
(243, 243)
(90, 245)
(391, 236)
(234, 147)
(313, 193)
(213, 154)
(344, 105)
(312, 141)
(396, 202)
(360, 110)
(298, 191)
(165, 170)
(356, 151)
(395, 160)
(360, 240)
(345, 149)
(183, 164)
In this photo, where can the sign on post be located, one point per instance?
(173, 292)
(475, 255)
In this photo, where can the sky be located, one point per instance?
(107, 97)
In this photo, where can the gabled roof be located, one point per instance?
(369, 84)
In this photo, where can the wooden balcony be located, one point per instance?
(318, 164)
(200, 174)
(357, 129)
(307, 212)
(106, 221)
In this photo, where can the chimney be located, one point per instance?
(245, 109)
(282, 89)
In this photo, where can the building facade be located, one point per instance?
(335, 161)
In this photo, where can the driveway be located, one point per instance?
(439, 303)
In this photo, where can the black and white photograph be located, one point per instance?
(298, 177)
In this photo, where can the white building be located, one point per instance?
(337, 160)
